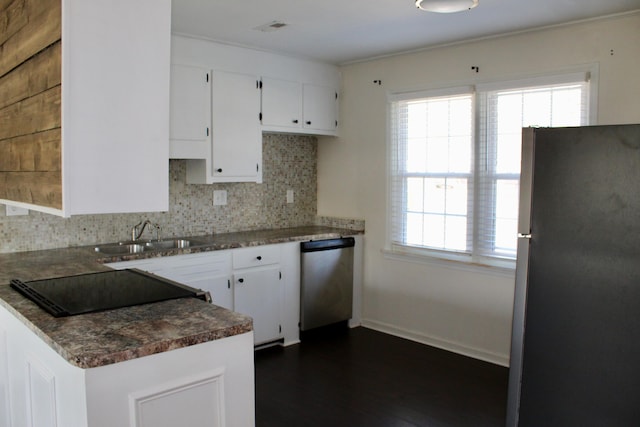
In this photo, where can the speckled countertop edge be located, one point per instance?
(103, 338)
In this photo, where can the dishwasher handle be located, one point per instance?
(327, 245)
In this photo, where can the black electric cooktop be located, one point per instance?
(88, 293)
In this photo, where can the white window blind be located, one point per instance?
(455, 163)
(433, 172)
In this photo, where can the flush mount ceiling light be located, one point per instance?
(446, 6)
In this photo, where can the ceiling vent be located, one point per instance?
(271, 26)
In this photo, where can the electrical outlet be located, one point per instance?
(15, 211)
(289, 196)
(219, 197)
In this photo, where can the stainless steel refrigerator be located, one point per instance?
(575, 353)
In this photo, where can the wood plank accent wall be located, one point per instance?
(30, 101)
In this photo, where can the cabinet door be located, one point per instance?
(5, 403)
(218, 287)
(257, 293)
(115, 106)
(236, 133)
(281, 103)
(210, 271)
(320, 105)
(190, 115)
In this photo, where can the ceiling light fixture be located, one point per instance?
(446, 6)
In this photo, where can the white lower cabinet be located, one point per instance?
(258, 293)
(262, 282)
(209, 271)
(218, 287)
(5, 407)
(209, 384)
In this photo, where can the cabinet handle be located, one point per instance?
(308, 122)
(241, 280)
(259, 258)
(219, 170)
(295, 120)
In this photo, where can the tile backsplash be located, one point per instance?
(289, 163)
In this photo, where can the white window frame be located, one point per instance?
(588, 73)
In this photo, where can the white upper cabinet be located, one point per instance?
(190, 118)
(281, 103)
(93, 115)
(235, 153)
(294, 91)
(105, 138)
(292, 106)
(320, 109)
(115, 106)
(237, 147)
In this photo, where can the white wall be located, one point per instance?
(464, 310)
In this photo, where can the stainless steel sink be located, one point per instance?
(172, 244)
(131, 247)
(117, 249)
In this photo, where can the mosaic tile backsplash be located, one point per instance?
(289, 163)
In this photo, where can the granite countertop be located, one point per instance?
(97, 339)
(237, 240)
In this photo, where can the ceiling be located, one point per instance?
(342, 31)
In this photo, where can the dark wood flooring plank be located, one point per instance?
(361, 377)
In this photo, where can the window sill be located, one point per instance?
(501, 268)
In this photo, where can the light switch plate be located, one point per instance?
(289, 196)
(219, 197)
(15, 211)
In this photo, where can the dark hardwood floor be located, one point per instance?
(360, 377)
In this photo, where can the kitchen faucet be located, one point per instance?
(135, 234)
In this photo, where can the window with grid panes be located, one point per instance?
(455, 162)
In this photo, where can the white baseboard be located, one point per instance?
(480, 354)
(290, 342)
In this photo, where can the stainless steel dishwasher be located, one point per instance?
(326, 286)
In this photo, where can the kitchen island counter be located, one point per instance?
(113, 336)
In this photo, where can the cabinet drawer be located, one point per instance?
(183, 268)
(213, 262)
(149, 265)
(256, 256)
